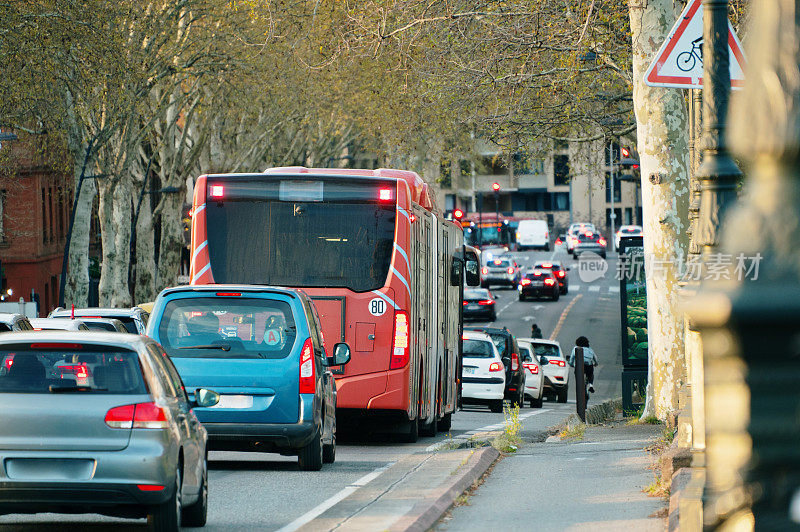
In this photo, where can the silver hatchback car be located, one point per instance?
(99, 423)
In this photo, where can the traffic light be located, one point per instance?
(629, 163)
(458, 214)
(496, 187)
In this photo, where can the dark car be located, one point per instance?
(509, 353)
(539, 283)
(100, 423)
(262, 349)
(589, 241)
(479, 304)
(559, 270)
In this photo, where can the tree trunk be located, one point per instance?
(661, 119)
(145, 255)
(115, 226)
(172, 240)
(76, 288)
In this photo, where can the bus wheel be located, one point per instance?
(411, 433)
(446, 422)
(427, 429)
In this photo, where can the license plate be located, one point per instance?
(469, 371)
(537, 284)
(473, 307)
(235, 401)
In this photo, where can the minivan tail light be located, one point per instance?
(229, 294)
(307, 378)
(514, 361)
(495, 366)
(400, 354)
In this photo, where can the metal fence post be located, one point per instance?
(580, 384)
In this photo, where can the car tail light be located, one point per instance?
(537, 274)
(229, 294)
(8, 362)
(533, 368)
(511, 270)
(400, 347)
(81, 372)
(558, 362)
(495, 366)
(486, 302)
(525, 282)
(307, 381)
(550, 282)
(558, 241)
(561, 273)
(466, 303)
(602, 241)
(547, 265)
(514, 361)
(150, 487)
(485, 270)
(55, 346)
(217, 191)
(138, 416)
(385, 194)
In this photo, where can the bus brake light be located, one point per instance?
(400, 347)
(217, 191)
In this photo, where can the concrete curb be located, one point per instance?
(600, 413)
(425, 513)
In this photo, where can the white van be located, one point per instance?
(533, 234)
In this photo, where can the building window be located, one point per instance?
(617, 220)
(526, 165)
(561, 145)
(2, 215)
(617, 188)
(50, 192)
(465, 168)
(491, 165)
(560, 201)
(45, 236)
(561, 170)
(445, 173)
(628, 216)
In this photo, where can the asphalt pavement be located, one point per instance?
(249, 491)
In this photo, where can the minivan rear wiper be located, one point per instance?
(224, 347)
(55, 388)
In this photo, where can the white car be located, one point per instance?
(483, 374)
(534, 378)
(573, 232)
(533, 234)
(626, 231)
(555, 370)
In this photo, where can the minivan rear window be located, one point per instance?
(477, 349)
(48, 367)
(227, 327)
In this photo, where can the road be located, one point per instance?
(250, 491)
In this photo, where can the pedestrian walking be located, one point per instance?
(536, 332)
(589, 360)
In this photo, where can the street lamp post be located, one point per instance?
(496, 188)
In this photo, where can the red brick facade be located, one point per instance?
(35, 202)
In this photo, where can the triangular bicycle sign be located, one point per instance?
(679, 61)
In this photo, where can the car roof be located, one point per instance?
(10, 317)
(102, 312)
(57, 323)
(541, 341)
(278, 290)
(130, 341)
(475, 335)
(490, 330)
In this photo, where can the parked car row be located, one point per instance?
(121, 424)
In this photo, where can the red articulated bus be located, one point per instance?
(382, 266)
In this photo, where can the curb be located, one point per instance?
(595, 415)
(425, 513)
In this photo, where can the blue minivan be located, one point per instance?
(261, 348)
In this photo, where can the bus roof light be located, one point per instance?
(217, 191)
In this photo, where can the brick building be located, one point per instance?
(35, 203)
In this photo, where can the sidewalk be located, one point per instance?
(592, 484)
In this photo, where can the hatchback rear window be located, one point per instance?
(547, 350)
(499, 342)
(477, 349)
(69, 368)
(499, 263)
(227, 327)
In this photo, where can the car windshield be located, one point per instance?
(537, 274)
(227, 327)
(100, 326)
(525, 351)
(588, 238)
(477, 349)
(47, 367)
(499, 342)
(547, 350)
(477, 294)
(631, 230)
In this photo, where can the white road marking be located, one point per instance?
(344, 493)
(613, 289)
(574, 287)
(594, 289)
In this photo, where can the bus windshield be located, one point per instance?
(301, 232)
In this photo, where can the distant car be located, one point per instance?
(627, 231)
(482, 372)
(105, 324)
(262, 349)
(534, 376)
(501, 271)
(590, 242)
(492, 252)
(479, 303)
(556, 370)
(127, 444)
(507, 346)
(559, 270)
(561, 239)
(50, 324)
(533, 234)
(134, 319)
(14, 322)
(539, 283)
(573, 232)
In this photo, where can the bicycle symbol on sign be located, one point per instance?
(687, 60)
